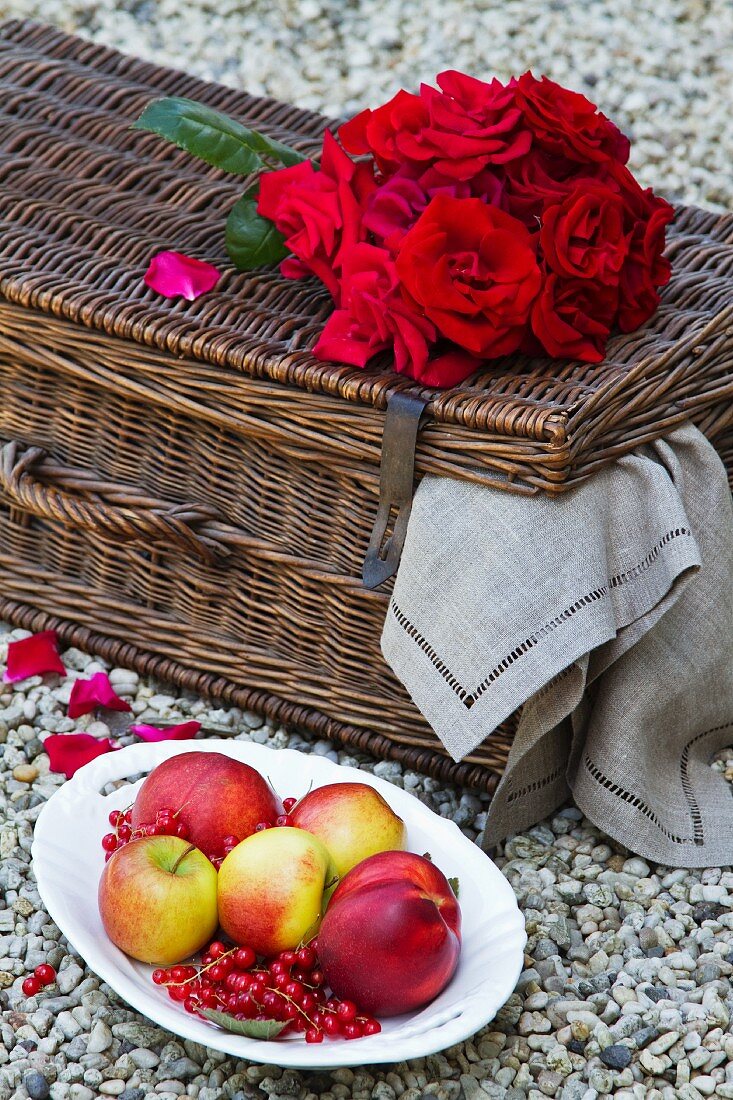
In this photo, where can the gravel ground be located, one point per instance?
(627, 988)
(663, 71)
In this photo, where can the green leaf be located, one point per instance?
(253, 1029)
(251, 239)
(454, 885)
(213, 136)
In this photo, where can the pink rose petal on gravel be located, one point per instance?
(182, 732)
(172, 274)
(33, 656)
(67, 752)
(87, 695)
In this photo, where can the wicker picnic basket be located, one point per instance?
(184, 489)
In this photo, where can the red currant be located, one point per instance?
(178, 973)
(182, 831)
(306, 958)
(261, 826)
(330, 1024)
(45, 973)
(284, 821)
(128, 816)
(313, 1035)
(352, 1031)
(371, 1027)
(288, 804)
(191, 1004)
(124, 833)
(31, 986)
(346, 1011)
(160, 976)
(116, 818)
(109, 842)
(316, 977)
(244, 958)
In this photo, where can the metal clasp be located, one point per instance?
(396, 480)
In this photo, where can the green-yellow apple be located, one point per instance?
(391, 936)
(212, 795)
(157, 899)
(271, 889)
(352, 820)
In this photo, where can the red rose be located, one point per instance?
(538, 180)
(473, 270)
(392, 133)
(472, 124)
(646, 267)
(396, 205)
(319, 212)
(566, 124)
(375, 315)
(583, 236)
(572, 318)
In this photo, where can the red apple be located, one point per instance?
(157, 899)
(391, 936)
(212, 795)
(352, 820)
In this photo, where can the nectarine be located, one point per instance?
(391, 936)
(213, 795)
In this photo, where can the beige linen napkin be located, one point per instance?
(608, 612)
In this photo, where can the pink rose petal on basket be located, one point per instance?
(87, 695)
(67, 752)
(172, 274)
(182, 732)
(33, 656)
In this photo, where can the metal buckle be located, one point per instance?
(396, 480)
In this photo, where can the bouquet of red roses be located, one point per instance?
(462, 223)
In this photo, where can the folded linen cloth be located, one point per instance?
(606, 613)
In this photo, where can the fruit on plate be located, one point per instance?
(212, 795)
(391, 936)
(352, 820)
(271, 889)
(157, 899)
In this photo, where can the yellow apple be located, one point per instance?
(352, 820)
(271, 889)
(157, 899)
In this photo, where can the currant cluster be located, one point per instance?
(165, 824)
(283, 821)
(217, 858)
(43, 975)
(289, 988)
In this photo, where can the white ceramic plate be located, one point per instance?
(68, 860)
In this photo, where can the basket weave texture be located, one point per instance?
(183, 487)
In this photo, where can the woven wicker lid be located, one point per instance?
(86, 201)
